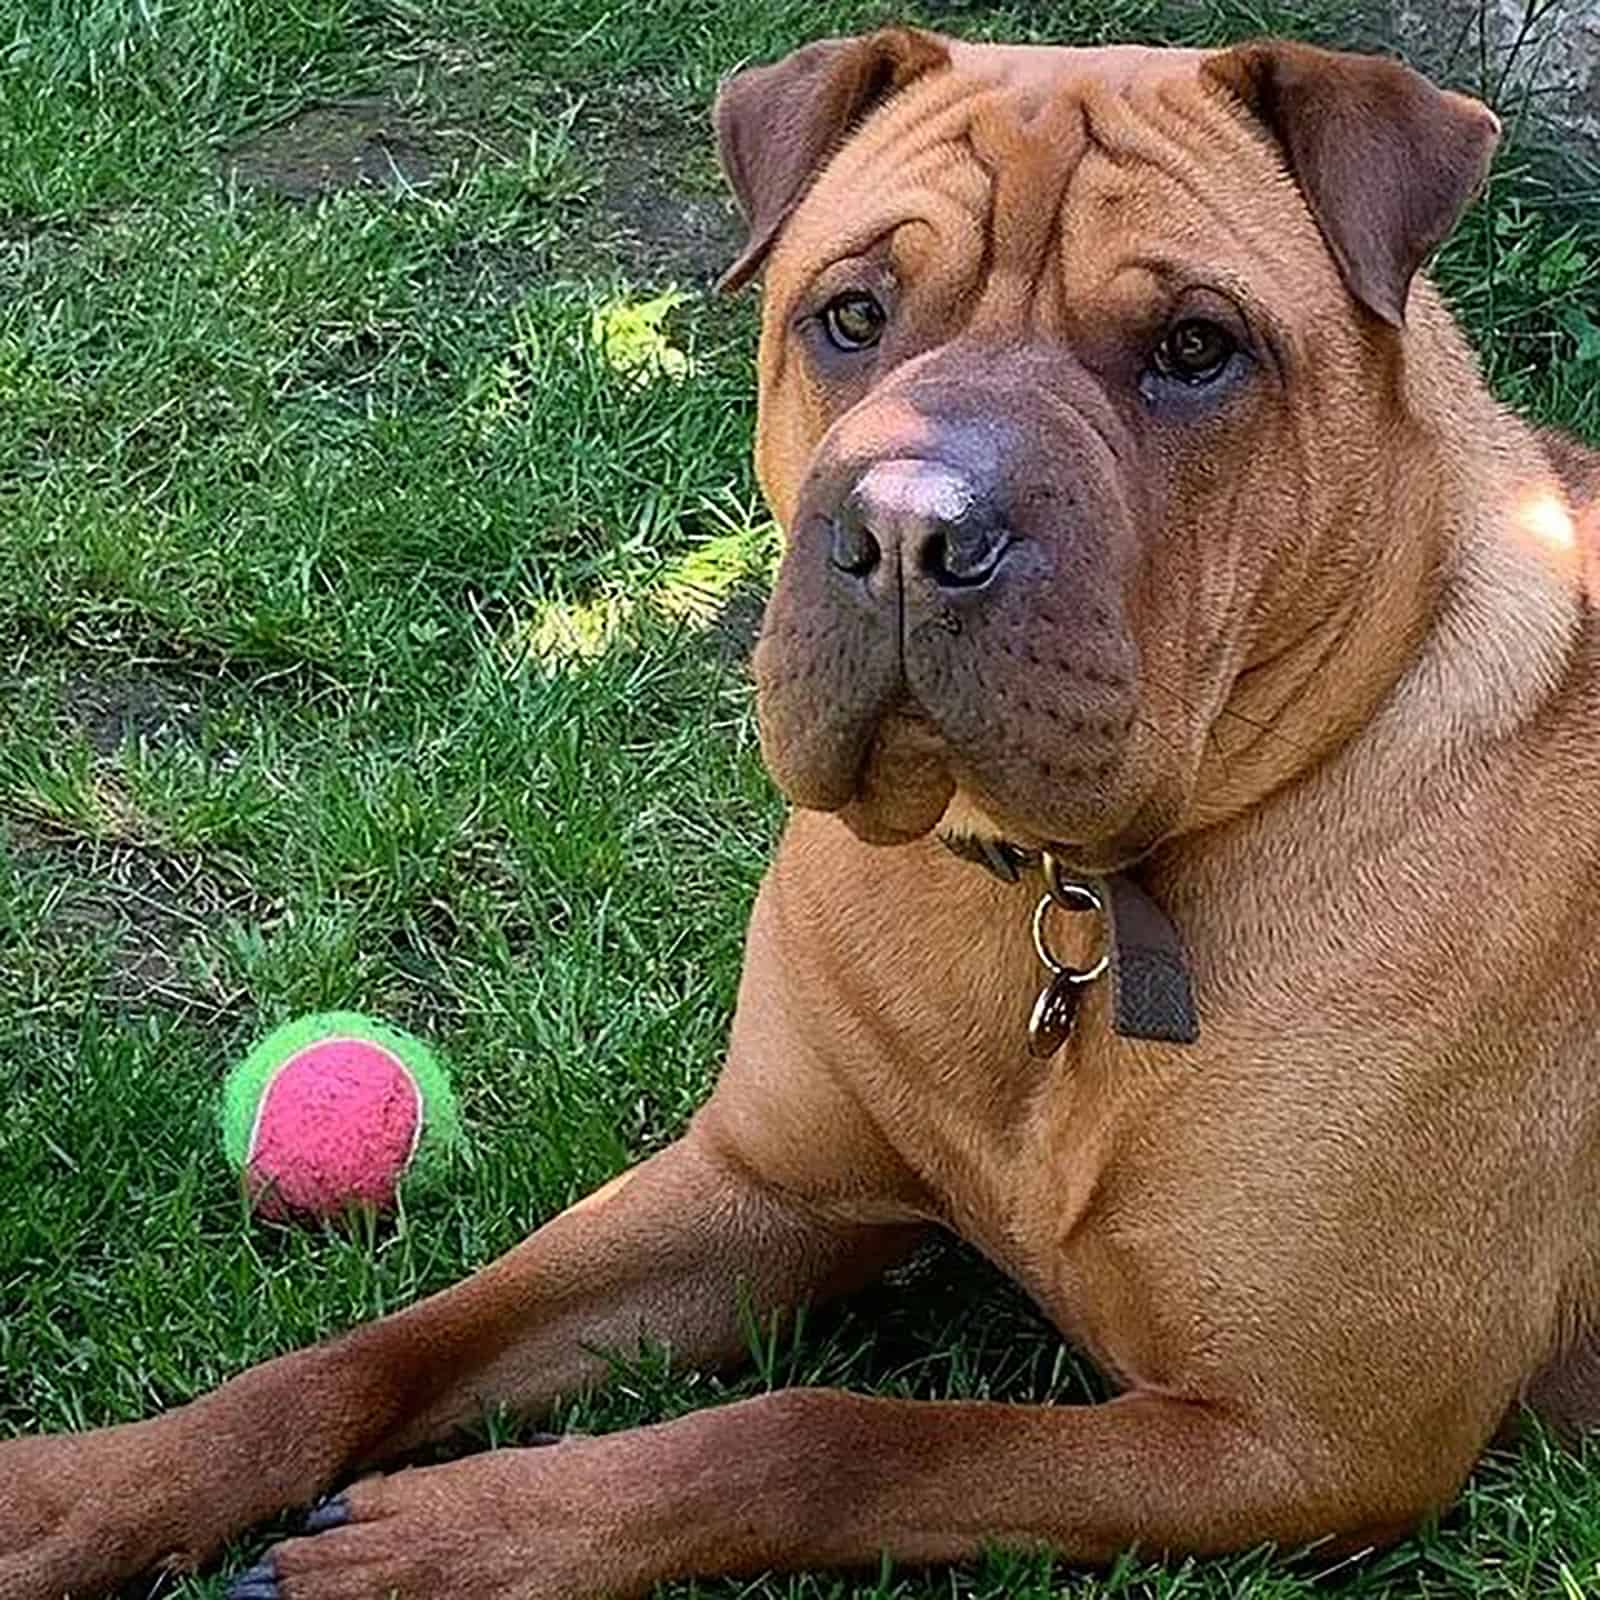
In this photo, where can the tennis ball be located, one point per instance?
(330, 1114)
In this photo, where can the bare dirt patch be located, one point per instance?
(144, 905)
(649, 204)
(665, 229)
(111, 712)
(645, 195)
(346, 144)
(660, 197)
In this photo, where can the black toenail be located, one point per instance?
(333, 1513)
(259, 1583)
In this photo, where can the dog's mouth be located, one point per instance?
(911, 780)
(891, 739)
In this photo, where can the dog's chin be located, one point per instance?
(904, 786)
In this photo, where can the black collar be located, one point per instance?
(1005, 860)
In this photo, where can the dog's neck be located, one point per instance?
(1501, 643)
(1510, 597)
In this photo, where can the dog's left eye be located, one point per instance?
(1195, 351)
(853, 321)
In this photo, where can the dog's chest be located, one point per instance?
(936, 993)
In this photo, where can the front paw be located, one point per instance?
(80, 1513)
(510, 1525)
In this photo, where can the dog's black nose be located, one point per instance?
(910, 519)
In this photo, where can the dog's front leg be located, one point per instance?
(811, 1478)
(671, 1250)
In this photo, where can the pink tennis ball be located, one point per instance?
(331, 1114)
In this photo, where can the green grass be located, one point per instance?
(371, 639)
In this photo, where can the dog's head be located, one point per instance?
(1080, 379)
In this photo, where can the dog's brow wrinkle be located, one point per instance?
(1039, 149)
(1175, 274)
(926, 169)
(938, 119)
(986, 211)
(1227, 135)
(1141, 142)
(1263, 242)
(932, 205)
(969, 144)
(1092, 138)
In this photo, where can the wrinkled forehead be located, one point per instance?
(1096, 155)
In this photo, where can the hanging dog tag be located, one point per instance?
(1056, 1009)
(1054, 1012)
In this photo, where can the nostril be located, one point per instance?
(964, 557)
(854, 549)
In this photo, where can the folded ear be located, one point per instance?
(1387, 161)
(778, 125)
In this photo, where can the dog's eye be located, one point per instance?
(853, 321)
(1195, 351)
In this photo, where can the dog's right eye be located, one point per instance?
(853, 321)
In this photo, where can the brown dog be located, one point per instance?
(1146, 512)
